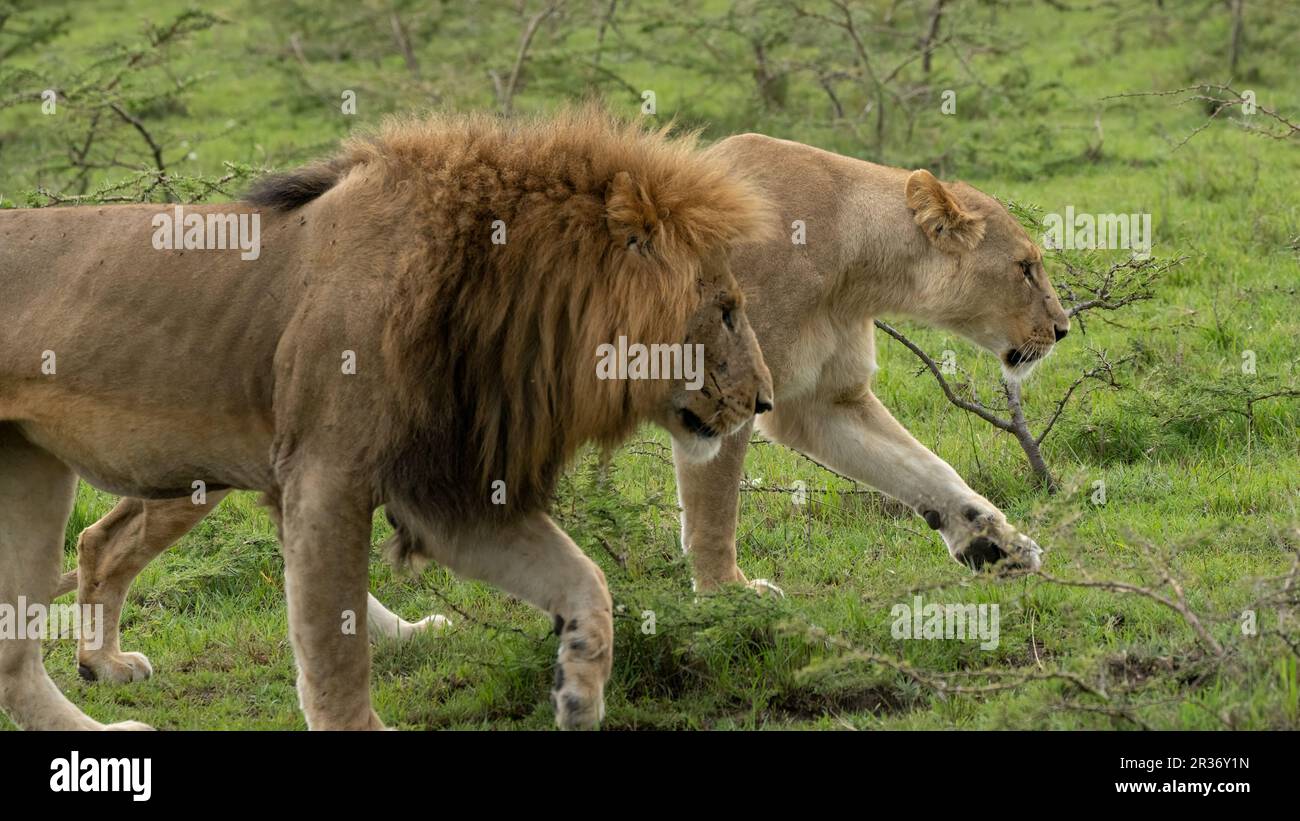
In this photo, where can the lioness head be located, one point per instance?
(1000, 297)
(718, 377)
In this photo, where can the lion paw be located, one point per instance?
(576, 709)
(583, 666)
(119, 668)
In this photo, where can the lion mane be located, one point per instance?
(534, 243)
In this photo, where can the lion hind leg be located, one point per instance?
(537, 561)
(36, 495)
(110, 554)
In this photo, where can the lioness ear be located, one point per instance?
(630, 213)
(940, 217)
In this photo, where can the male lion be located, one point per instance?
(879, 241)
(468, 270)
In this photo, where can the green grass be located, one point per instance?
(1216, 497)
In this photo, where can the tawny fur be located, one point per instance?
(476, 363)
(879, 242)
(871, 250)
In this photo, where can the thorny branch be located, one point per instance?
(1122, 283)
(1222, 96)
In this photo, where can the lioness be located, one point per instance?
(879, 241)
(465, 272)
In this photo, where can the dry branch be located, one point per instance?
(1122, 283)
(1227, 98)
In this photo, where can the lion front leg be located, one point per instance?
(860, 438)
(536, 561)
(325, 530)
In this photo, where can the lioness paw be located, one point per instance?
(1005, 549)
(432, 624)
(978, 536)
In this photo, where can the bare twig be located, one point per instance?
(967, 405)
(1202, 93)
(506, 90)
(1178, 603)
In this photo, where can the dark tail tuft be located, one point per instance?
(292, 189)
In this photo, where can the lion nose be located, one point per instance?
(761, 405)
(1060, 333)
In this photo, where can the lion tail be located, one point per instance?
(288, 190)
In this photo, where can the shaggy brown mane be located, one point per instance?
(490, 348)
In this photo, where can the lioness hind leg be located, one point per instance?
(385, 624)
(36, 494)
(113, 551)
(110, 554)
(536, 561)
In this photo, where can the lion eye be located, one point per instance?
(726, 319)
(1027, 268)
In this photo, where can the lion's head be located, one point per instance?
(728, 382)
(561, 280)
(1000, 297)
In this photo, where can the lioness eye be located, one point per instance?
(1027, 268)
(726, 319)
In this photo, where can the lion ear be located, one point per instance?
(948, 227)
(631, 215)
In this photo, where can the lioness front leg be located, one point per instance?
(325, 530)
(709, 494)
(858, 437)
(536, 561)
